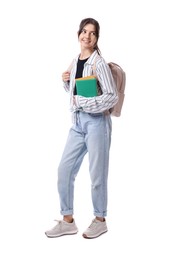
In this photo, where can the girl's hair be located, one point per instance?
(86, 21)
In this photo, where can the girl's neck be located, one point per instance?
(85, 54)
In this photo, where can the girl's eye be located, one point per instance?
(92, 33)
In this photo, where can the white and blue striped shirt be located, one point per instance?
(98, 104)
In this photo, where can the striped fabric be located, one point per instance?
(96, 104)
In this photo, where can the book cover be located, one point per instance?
(86, 86)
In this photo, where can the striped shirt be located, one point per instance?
(98, 104)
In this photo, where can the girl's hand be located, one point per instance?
(66, 76)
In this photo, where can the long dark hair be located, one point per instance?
(86, 21)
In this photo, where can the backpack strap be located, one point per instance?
(99, 90)
(94, 67)
(70, 66)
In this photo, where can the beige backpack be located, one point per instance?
(120, 79)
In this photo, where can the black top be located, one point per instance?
(79, 71)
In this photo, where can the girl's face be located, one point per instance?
(88, 38)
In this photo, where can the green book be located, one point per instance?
(86, 86)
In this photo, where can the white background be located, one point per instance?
(38, 42)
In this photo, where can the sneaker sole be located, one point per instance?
(49, 236)
(85, 236)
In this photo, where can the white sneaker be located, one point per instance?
(96, 229)
(62, 228)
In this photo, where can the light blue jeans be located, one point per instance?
(91, 133)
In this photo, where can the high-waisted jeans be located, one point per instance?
(91, 133)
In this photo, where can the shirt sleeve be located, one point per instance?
(109, 96)
(66, 86)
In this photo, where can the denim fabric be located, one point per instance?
(91, 133)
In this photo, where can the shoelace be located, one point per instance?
(93, 223)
